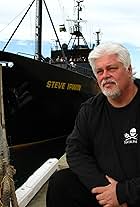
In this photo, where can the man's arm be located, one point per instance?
(129, 190)
(80, 155)
(106, 195)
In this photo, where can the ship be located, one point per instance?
(74, 54)
(41, 98)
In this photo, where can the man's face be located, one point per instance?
(113, 78)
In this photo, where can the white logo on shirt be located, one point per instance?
(132, 137)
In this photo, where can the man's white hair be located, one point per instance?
(110, 48)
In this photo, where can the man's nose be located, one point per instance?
(106, 74)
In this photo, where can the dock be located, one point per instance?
(33, 192)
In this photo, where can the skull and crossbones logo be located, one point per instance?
(132, 135)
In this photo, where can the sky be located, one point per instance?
(117, 20)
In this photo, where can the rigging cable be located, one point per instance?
(12, 20)
(63, 53)
(18, 25)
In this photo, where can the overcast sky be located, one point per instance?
(118, 20)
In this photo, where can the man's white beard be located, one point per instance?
(111, 93)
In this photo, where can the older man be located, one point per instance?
(103, 150)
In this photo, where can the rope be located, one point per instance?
(7, 193)
(7, 187)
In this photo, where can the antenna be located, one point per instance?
(98, 37)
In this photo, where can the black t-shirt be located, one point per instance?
(106, 141)
(125, 128)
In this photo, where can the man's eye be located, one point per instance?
(99, 72)
(113, 68)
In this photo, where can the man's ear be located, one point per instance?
(130, 68)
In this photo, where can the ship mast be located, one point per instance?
(78, 19)
(76, 33)
(38, 30)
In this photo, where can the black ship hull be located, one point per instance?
(41, 100)
(40, 104)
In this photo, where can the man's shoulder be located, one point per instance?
(137, 82)
(95, 100)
